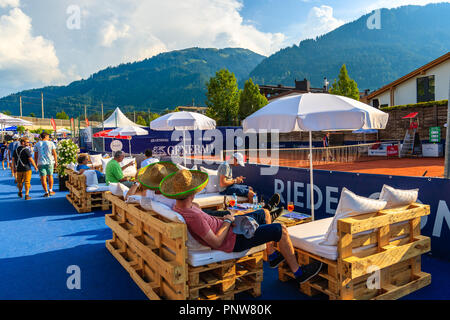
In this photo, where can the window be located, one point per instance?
(375, 103)
(425, 89)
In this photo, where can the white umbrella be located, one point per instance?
(183, 120)
(315, 112)
(62, 131)
(128, 131)
(8, 121)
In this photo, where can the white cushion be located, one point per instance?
(71, 166)
(130, 171)
(212, 199)
(160, 198)
(350, 205)
(91, 178)
(213, 183)
(398, 197)
(118, 189)
(105, 163)
(170, 214)
(100, 188)
(96, 159)
(180, 167)
(197, 258)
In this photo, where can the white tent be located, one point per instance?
(118, 120)
(315, 112)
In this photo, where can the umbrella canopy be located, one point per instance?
(104, 134)
(183, 120)
(316, 112)
(128, 131)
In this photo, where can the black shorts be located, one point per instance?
(265, 233)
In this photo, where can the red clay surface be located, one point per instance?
(414, 167)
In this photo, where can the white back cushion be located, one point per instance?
(350, 205)
(172, 215)
(91, 178)
(130, 171)
(160, 198)
(118, 189)
(96, 159)
(398, 197)
(105, 163)
(71, 166)
(213, 183)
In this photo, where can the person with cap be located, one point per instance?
(46, 158)
(219, 234)
(114, 171)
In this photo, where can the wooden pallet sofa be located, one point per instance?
(154, 251)
(85, 199)
(378, 255)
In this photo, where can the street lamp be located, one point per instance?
(325, 84)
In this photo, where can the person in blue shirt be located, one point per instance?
(83, 166)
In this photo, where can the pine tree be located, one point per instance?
(223, 98)
(250, 100)
(345, 86)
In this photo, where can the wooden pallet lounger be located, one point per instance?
(153, 250)
(378, 256)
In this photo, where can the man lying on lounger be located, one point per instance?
(218, 233)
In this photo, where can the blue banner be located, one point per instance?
(293, 185)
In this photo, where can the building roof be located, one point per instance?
(416, 72)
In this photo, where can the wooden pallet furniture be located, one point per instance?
(387, 265)
(82, 200)
(153, 251)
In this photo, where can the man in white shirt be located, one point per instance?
(149, 159)
(46, 158)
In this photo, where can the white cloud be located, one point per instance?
(9, 3)
(112, 32)
(24, 58)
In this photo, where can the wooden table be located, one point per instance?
(288, 222)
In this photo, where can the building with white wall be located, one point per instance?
(427, 83)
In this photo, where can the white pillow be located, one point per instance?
(170, 214)
(160, 198)
(180, 167)
(118, 189)
(350, 205)
(71, 166)
(398, 197)
(213, 183)
(96, 159)
(91, 178)
(130, 171)
(105, 163)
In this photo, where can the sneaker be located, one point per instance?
(52, 193)
(27, 197)
(276, 213)
(309, 271)
(20, 194)
(276, 262)
(46, 195)
(273, 202)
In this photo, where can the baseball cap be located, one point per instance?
(239, 158)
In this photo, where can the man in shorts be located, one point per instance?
(218, 234)
(22, 162)
(46, 158)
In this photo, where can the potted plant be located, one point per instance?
(67, 153)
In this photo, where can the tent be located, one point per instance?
(117, 120)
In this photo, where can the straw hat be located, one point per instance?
(183, 183)
(152, 175)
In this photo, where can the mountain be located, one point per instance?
(410, 37)
(164, 81)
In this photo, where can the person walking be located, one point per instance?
(11, 148)
(46, 159)
(3, 155)
(22, 162)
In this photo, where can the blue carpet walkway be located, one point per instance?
(42, 237)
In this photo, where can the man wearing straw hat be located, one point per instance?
(218, 233)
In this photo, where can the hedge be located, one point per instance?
(420, 104)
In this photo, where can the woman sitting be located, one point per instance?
(83, 166)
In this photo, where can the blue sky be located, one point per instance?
(54, 42)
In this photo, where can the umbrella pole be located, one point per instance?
(311, 175)
(129, 146)
(184, 147)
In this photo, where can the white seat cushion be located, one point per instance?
(212, 199)
(201, 258)
(96, 159)
(308, 236)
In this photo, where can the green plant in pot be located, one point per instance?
(67, 153)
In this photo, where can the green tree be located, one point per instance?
(140, 121)
(32, 115)
(223, 98)
(345, 86)
(7, 112)
(21, 129)
(250, 100)
(62, 115)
